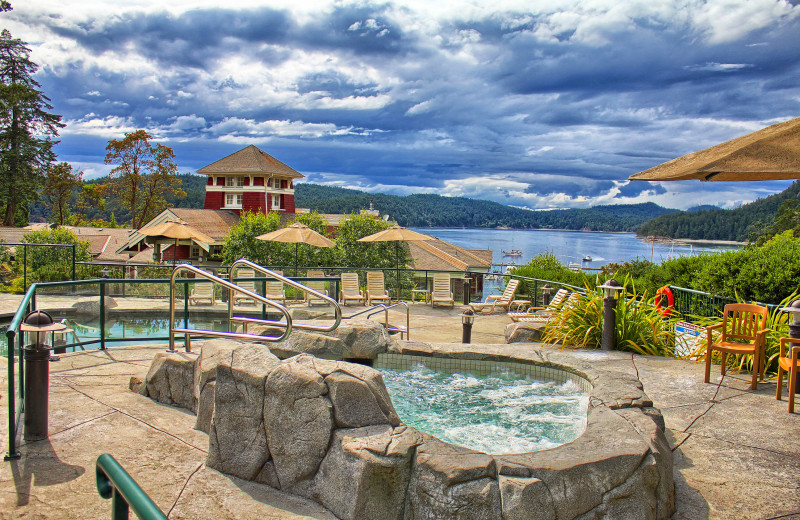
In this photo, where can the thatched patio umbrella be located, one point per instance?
(296, 234)
(396, 234)
(175, 229)
(772, 153)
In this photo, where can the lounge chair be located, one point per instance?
(275, 290)
(376, 289)
(496, 302)
(250, 285)
(350, 290)
(202, 291)
(548, 317)
(442, 295)
(317, 286)
(558, 298)
(740, 322)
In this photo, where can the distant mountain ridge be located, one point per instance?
(421, 210)
(720, 224)
(427, 210)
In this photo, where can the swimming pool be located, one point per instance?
(499, 412)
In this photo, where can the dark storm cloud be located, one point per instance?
(553, 111)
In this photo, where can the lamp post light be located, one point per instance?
(467, 319)
(611, 291)
(794, 328)
(546, 291)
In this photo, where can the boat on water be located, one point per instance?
(587, 258)
(513, 252)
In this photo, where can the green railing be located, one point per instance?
(115, 483)
(690, 303)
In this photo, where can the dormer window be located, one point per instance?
(235, 182)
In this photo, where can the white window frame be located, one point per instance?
(233, 200)
(234, 181)
(276, 201)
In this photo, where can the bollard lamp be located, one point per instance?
(546, 291)
(794, 310)
(467, 319)
(611, 291)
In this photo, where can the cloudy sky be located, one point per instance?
(532, 103)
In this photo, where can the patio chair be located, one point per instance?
(250, 285)
(275, 290)
(202, 291)
(495, 302)
(442, 294)
(788, 362)
(317, 286)
(558, 298)
(376, 289)
(744, 333)
(548, 317)
(350, 290)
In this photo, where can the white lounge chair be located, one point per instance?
(442, 295)
(276, 291)
(350, 291)
(376, 288)
(317, 286)
(250, 285)
(546, 318)
(558, 298)
(202, 291)
(496, 302)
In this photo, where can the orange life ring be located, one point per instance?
(665, 291)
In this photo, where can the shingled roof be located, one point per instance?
(441, 255)
(250, 160)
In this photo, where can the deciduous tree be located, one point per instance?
(59, 184)
(144, 174)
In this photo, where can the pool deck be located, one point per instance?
(737, 452)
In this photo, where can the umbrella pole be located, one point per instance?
(397, 271)
(295, 258)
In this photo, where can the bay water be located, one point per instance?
(569, 246)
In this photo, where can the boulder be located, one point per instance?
(360, 399)
(363, 339)
(237, 438)
(358, 339)
(211, 353)
(170, 379)
(521, 332)
(137, 385)
(366, 472)
(305, 342)
(298, 417)
(526, 499)
(451, 482)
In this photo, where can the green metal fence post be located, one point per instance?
(102, 315)
(263, 305)
(12, 401)
(73, 262)
(186, 305)
(25, 268)
(115, 483)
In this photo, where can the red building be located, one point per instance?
(251, 180)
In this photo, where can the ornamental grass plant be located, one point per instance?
(640, 327)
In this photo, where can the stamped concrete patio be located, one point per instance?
(737, 452)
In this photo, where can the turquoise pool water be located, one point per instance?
(499, 413)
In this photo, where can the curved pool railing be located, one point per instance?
(383, 308)
(287, 326)
(243, 262)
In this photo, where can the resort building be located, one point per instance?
(250, 180)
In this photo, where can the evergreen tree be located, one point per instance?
(26, 130)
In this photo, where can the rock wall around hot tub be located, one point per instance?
(327, 430)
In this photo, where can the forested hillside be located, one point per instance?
(720, 224)
(415, 210)
(436, 211)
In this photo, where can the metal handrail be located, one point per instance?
(233, 287)
(115, 483)
(337, 310)
(382, 307)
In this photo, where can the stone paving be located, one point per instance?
(737, 452)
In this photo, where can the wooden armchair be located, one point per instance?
(559, 298)
(744, 332)
(788, 362)
(497, 302)
(275, 290)
(376, 288)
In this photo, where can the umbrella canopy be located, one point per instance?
(396, 234)
(768, 154)
(296, 234)
(177, 230)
